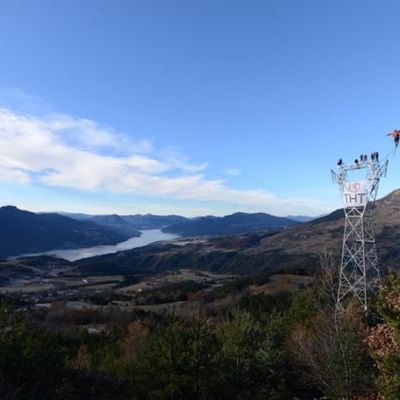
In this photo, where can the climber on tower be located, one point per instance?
(396, 136)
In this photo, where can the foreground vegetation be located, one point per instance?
(280, 346)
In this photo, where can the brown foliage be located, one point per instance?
(134, 342)
(382, 341)
(83, 358)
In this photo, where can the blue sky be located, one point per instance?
(193, 107)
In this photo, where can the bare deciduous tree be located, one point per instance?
(329, 351)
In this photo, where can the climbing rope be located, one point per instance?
(390, 154)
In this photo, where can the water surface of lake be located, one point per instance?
(148, 236)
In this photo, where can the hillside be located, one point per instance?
(135, 222)
(300, 218)
(116, 223)
(150, 221)
(24, 232)
(234, 224)
(298, 247)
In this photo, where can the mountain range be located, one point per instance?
(126, 222)
(297, 247)
(234, 224)
(24, 232)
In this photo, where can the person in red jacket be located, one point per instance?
(396, 136)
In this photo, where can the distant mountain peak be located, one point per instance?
(10, 208)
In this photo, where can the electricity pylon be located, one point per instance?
(359, 269)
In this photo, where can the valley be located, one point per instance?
(45, 283)
(169, 274)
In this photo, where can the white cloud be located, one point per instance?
(64, 151)
(13, 175)
(87, 134)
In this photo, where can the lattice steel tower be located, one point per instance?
(359, 269)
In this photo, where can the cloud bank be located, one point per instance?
(65, 151)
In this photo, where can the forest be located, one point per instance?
(289, 345)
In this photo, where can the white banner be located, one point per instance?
(355, 194)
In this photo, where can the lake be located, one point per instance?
(148, 236)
